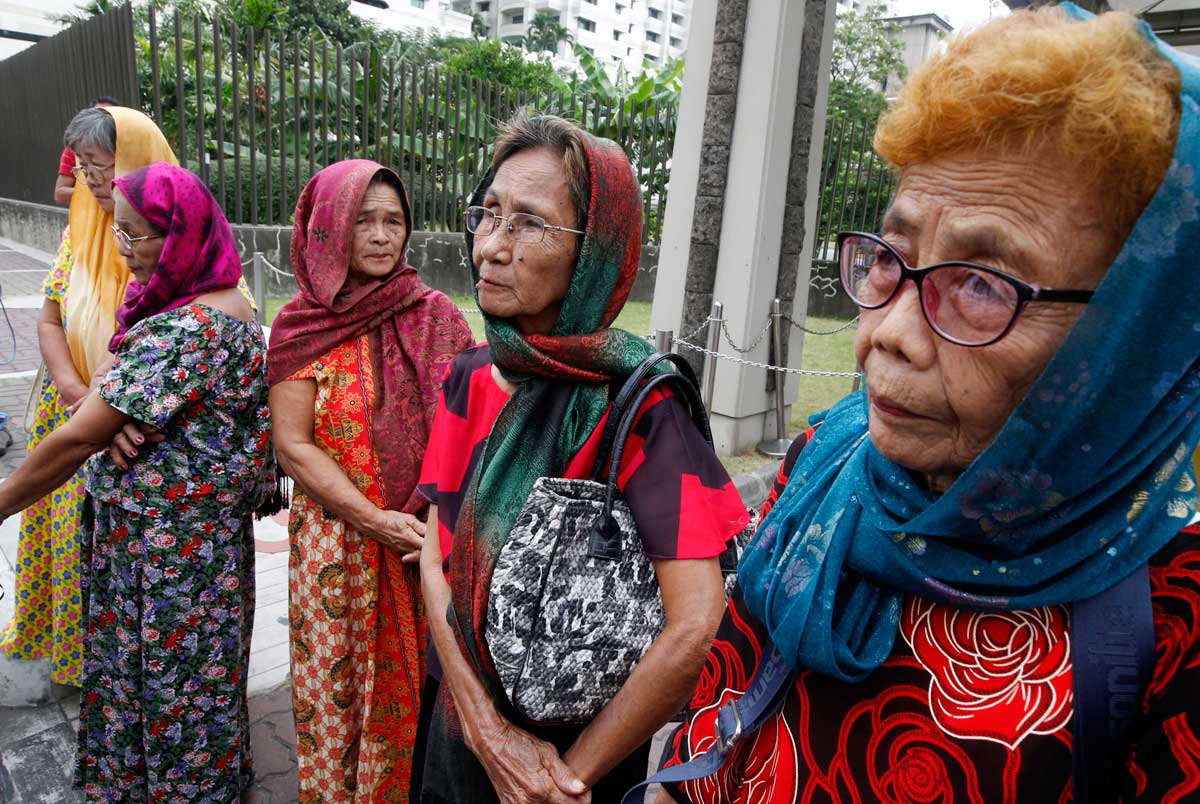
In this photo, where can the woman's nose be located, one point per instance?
(903, 331)
(498, 245)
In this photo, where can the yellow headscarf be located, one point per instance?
(99, 273)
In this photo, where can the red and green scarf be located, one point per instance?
(562, 387)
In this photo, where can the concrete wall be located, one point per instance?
(440, 257)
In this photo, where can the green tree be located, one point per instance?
(495, 61)
(331, 17)
(867, 53)
(544, 33)
(479, 26)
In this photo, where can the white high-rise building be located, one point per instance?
(616, 32)
(434, 16)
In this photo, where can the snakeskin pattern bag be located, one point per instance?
(575, 603)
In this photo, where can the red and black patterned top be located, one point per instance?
(681, 496)
(970, 707)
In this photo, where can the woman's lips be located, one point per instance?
(887, 406)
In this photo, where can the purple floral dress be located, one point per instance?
(168, 552)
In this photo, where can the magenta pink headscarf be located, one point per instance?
(199, 255)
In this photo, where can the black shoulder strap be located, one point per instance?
(1112, 656)
(624, 396)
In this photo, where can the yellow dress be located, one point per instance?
(47, 623)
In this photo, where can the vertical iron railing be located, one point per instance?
(257, 113)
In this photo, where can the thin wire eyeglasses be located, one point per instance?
(96, 172)
(964, 302)
(522, 227)
(126, 240)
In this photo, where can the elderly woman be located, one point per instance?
(83, 290)
(1022, 450)
(168, 541)
(356, 363)
(554, 236)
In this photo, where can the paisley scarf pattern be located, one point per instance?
(414, 331)
(1089, 477)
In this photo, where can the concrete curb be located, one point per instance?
(755, 485)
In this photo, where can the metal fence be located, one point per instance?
(42, 87)
(257, 114)
(856, 186)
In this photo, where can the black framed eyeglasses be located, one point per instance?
(964, 302)
(522, 227)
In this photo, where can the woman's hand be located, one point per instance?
(131, 436)
(402, 532)
(522, 768)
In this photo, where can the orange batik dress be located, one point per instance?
(357, 620)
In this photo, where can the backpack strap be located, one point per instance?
(737, 719)
(1112, 655)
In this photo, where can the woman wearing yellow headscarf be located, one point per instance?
(83, 290)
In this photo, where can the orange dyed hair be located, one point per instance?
(1094, 96)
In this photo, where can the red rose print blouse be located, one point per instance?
(970, 707)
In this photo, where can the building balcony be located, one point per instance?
(552, 6)
(510, 5)
(655, 26)
(512, 33)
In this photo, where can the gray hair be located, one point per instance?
(524, 131)
(92, 128)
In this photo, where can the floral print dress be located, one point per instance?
(47, 621)
(169, 566)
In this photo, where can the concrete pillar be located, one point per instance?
(752, 100)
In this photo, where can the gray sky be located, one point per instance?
(956, 12)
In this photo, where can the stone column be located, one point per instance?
(752, 101)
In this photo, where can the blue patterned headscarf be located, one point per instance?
(1090, 476)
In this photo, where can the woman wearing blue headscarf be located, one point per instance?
(984, 566)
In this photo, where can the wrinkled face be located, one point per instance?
(527, 282)
(101, 165)
(379, 233)
(142, 256)
(935, 406)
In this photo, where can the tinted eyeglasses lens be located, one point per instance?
(869, 271)
(969, 305)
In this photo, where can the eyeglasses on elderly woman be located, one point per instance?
(522, 227)
(964, 302)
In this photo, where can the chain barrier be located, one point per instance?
(729, 338)
(755, 364)
(805, 329)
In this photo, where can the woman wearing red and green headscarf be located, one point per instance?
(554, 233)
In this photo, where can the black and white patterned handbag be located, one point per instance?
(575, 603)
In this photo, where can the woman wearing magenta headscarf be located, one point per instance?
(356, 363)
(168, 551)
(554, 233)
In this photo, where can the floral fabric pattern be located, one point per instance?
(169, 556)
(357, 620)
(969, 706)
(47, 621)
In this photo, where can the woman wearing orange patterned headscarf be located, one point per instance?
(83, 291)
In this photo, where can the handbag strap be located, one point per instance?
(621, 403)
(1112, 656)
(605, 539)
(735, 720)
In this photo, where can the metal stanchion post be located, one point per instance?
(857, 380)
(777, 447)
(715, 318)
(664, 339)
(260, 287)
